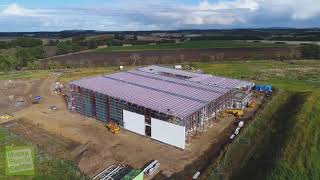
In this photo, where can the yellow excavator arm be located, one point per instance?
(113, 127)
(236, 112)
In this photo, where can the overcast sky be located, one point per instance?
(119, 15)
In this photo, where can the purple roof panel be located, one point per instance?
(206, 79)
(222, 82)
(181, 81)
(180, 107)
(167, 87)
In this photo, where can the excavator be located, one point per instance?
(235, 112)
(113, 127)
(6, 117)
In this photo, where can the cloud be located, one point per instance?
(219, 13)
(293, 9)
(163, 14)
(227, 5)
(16, 10)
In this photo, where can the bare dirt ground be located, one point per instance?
(20, 92)
(61, 132)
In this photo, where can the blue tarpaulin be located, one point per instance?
(263, 88)
(257, 87)
(268, 88)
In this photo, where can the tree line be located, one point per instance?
(21, 57)
(21, 42)
(76, 44)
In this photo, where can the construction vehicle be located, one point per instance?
(113, 127)
(6, 117)
(235, 112)
(36, 100)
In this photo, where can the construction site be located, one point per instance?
(162, 121)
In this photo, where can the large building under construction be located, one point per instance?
(168, 105)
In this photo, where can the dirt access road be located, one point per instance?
(71, 130)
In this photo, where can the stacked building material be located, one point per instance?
(114, 172)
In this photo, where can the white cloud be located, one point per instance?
(243, 11)
(226, 5)
(295, 9)
(16, 10)
(206, 13)
(163, 14)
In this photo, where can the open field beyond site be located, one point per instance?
(193, 45)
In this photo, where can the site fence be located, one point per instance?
(241, 146)
(45, 164)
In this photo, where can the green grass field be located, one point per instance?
(23, 75)
(75, 74)
(299, 158)
(192, 45)
(285, 137)
(45, 166)
(291, 76)
(67, 75)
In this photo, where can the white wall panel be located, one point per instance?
(134, 122)
(168, 133)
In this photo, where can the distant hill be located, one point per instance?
(273, 33)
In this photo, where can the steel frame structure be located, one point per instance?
(183, 98)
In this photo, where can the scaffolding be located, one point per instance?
(198, 120)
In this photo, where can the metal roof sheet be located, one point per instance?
(222, 82)
(159, 101)
(206, 79)
(167, 87)
(183, 82)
